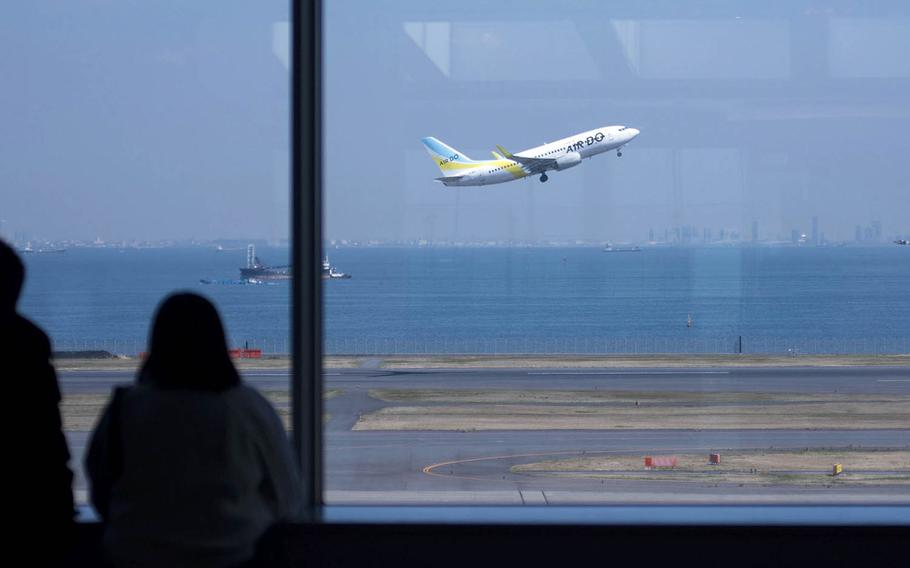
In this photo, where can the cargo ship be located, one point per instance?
(256, 270)
(611, 248)
(29, 250)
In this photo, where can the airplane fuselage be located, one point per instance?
(554, 156)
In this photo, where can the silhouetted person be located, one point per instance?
(40, 483)
(189, 467)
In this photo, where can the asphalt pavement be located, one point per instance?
(474, 467)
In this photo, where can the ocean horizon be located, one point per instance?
(499, 299)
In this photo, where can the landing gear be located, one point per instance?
(543, 178)
(619, 152)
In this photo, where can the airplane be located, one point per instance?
(460, 171)
(902, 242)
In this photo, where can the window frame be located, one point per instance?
(306, 231)
(306, 91)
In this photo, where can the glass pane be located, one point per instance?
(144, 148)
(718, 315)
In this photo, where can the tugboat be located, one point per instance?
(329, 271)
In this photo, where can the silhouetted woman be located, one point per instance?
(38, 479)
(189, 467)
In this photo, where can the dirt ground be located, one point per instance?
(812, 467)
(616, 397)
(80, 412)
(470, 410)
(657, 360)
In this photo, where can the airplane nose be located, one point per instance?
(633, 132)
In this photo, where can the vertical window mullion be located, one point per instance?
(306, 189)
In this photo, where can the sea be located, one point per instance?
(661, 299)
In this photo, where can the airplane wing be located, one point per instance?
(531, 165)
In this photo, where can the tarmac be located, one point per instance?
(446, 467)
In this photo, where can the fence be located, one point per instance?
(623, 345)
(542, 346)
(132, 347)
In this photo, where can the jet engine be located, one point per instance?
(570, 160)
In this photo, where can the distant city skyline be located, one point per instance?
(682, 235)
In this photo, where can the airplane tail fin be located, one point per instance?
(450, 161)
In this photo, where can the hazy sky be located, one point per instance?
(170, 119)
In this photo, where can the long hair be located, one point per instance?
(187, 349)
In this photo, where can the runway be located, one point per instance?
(474, 467)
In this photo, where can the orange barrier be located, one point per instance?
(660, 461)
(245, 353)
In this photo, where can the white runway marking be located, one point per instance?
(636, 373)
(894, 380)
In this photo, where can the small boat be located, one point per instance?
(240, 282)
(690, 322)
(329, 271)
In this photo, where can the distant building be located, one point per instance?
(687, 234)
(877, 231)
(815, 241)
(794, 236)
(858, 234)
(651, 235)
(755, 231)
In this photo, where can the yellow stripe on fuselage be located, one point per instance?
(513, 168)
(516, 170)
(456, 165)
